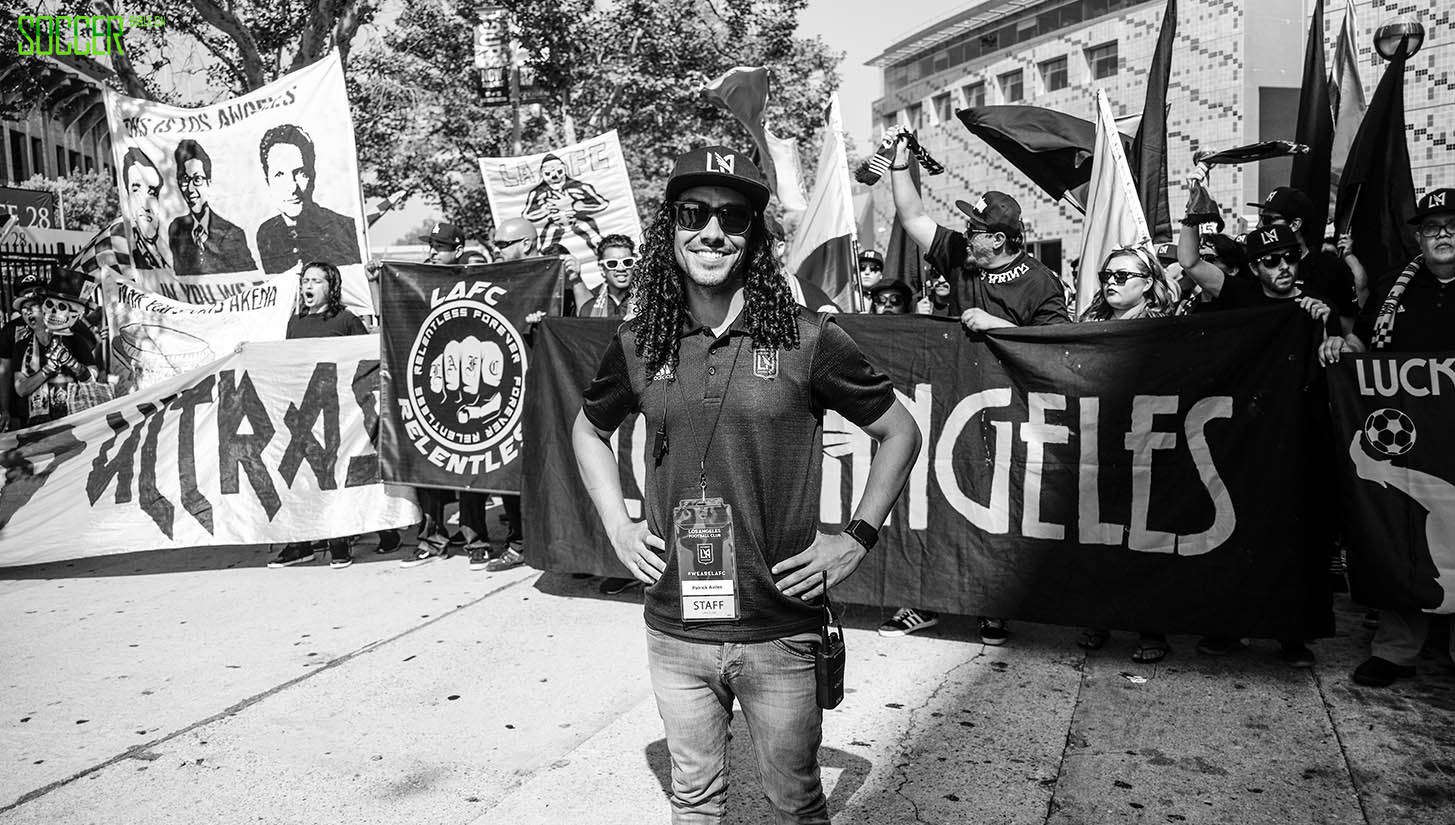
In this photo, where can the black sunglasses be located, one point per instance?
(508, 244)
(733, 218)
(1276, 258)
(1119, 276)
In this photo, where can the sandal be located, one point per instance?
(1150, 652)
(1093, 639)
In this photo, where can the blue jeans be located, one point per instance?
(773, 682)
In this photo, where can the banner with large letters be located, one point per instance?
(154, 337)
(573, 195)
(268, 444)
(218, 198)
(1394, 424)
(1139, 475)
(455, 358)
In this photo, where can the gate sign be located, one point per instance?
(32, 207)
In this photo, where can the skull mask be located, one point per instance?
(60, 314)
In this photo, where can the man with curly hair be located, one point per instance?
(734, 378)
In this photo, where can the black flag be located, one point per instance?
(1376, 191)
(1149, 150)
(1315, 130)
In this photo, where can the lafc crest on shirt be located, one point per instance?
(765, 362)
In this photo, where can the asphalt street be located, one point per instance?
(199, 686)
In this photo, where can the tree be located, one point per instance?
(631, 65)
(88, 199)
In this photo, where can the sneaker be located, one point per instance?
(1377, 672)
(613, 585)
(389, 541)
(508, 558)
(907, 620)
(1296, 654)
(422, 554)
(456, 539)
(298, 552)
(993, 632)
(479, 554)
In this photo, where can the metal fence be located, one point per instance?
(20, 257)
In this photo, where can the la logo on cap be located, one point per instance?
(980, 205)
(726, 164)
(436, 230)
(1437, 199)
(1269, 236)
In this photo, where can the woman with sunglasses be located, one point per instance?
(1133, 285)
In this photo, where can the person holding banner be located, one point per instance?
(732, 607)
(15, 337)
(995, 284)
(60, 351)
(1410, 310)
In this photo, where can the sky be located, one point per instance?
(863, 29)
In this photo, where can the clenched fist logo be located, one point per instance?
(468, 374)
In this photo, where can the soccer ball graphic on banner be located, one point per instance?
(1390, 432)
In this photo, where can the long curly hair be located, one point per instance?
(661, 305)
(1159, 298)
(335, 287)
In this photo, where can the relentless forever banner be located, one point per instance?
(1392, 422)
(455, 358)
(154, 338)
(268, 444)
(220, 197)
(1135, 475)
(573, 195)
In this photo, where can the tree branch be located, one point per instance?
(317, 23)
(229, 24)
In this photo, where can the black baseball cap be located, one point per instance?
(994, 212)
(872, 256)
(718, 166)
(1167, 253)
(895, 285)
(445, 234)
(1288, 202)
(1434, 202)
(1268, 239)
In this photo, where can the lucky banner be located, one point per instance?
(454, 351)
(154, 338)
(220, 197)
(574, 195)
(1138, 475)
(269, 444)
(1392, 425)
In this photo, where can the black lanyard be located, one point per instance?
(692, 420)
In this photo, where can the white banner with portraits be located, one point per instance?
(219, 198)
(574, 195)
(154, 338)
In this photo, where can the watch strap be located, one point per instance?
(860, 531)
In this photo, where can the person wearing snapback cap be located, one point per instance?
(1319, 272)
(446, 243)
(994, 283)
(1410, 310)
(733, 379)
(871, 270)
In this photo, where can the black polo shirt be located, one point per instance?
(1425, 321)
(1024, 292)
(765, 459)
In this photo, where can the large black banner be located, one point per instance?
(1146, 474)
(1393, 417)
(454, 353)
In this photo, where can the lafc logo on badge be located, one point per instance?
(765, 363)
(721, 163)
(704, 554)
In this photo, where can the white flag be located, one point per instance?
(1113, 211)
(822, 253)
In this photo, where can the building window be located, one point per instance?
(75, 161)
(974, 95)
(1053, 74)
(943, 111)
(1012, 86)
(914, 114)
(60, 161)
(889, 121)
(1102, 60)
(17, 157)
(37, 156)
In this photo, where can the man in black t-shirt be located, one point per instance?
(1409, 310)
(1319, 272)
(994, 284)
(1273, 255)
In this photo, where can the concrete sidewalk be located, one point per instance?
(200, 687)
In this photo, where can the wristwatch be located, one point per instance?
(860, 531)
